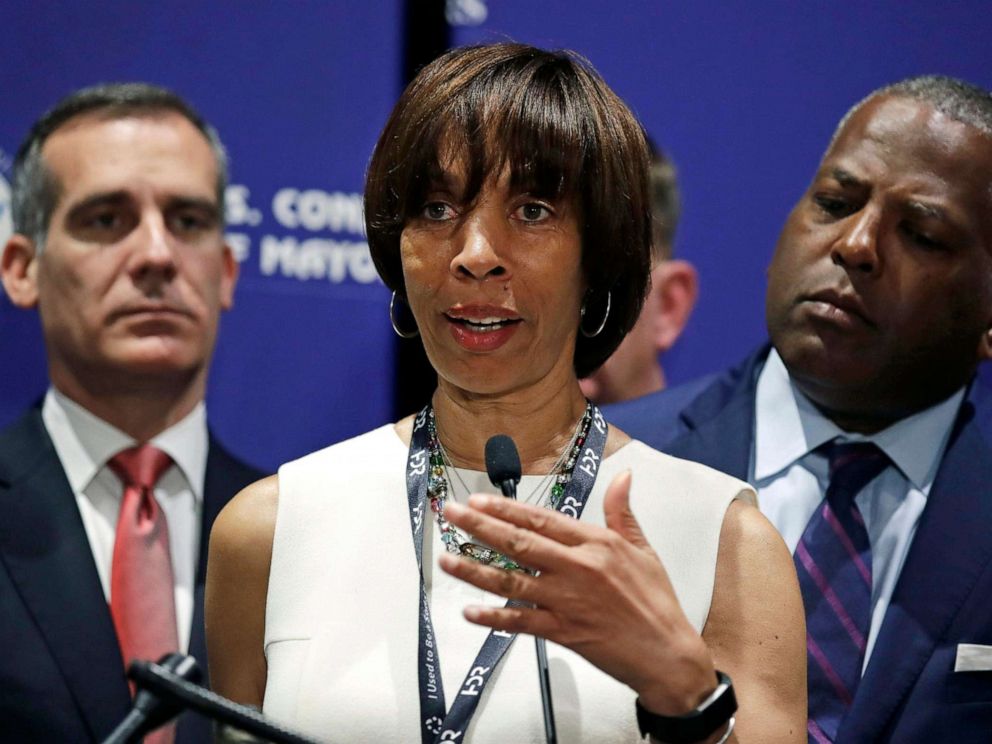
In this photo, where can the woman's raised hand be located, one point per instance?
(599, 591)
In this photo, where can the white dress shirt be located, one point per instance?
(791, 480)
(85, 443)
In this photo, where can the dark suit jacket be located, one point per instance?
(61, 672)
(910, 691)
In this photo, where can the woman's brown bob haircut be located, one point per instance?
(563, 134)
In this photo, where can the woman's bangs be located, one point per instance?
(539, 138)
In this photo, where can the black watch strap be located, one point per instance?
(696, 725)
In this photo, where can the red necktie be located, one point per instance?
(142, 598)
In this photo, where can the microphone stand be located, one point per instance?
(509, 489)
(544, 677)
(171, 687)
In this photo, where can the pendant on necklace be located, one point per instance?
(488, 556)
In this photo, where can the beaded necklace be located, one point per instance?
(437, 491)
(536, 496)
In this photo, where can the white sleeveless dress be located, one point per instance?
(341, 615)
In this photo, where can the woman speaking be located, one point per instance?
(361, 595)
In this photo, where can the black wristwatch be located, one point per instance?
(696, 725)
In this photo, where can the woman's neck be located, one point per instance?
(541, 423)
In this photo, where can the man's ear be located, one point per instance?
(230, 269)
(674, 289)
(985, 346)
(19, 271)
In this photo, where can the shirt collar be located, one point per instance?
(85, 442)
(788, 426)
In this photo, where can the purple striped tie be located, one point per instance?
(833, 560)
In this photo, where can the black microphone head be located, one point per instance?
(502, 461)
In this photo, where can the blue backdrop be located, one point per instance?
(298, 92)
(742, 95)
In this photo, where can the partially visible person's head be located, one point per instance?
(548, 125)
(635, 369)
(118, 219)
(880, 290)
(666, 203)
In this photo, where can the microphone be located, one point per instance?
(503, 464)
(167, 688)
(503, 468)
(149, 711)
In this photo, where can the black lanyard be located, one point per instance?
(438, 724)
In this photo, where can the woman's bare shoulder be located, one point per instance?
(615, 439)
(246, 526)
(404, 429)
(748, 533)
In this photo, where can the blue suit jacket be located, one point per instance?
(910, 691)
(61, 672)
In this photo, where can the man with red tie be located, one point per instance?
(109, 488)
(863, 426)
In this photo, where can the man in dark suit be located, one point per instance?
(108, 489)
(879, 309)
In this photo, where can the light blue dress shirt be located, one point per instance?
(791, 480)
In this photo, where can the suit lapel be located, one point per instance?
(44, 546)
(720, 421)
(930, 592)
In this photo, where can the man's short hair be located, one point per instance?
(957, 99)
(35, 190)
(666, 203)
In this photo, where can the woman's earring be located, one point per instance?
(392, 319)
(602, 323)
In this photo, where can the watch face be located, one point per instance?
(715, 711)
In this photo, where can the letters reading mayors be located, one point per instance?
(293, 256)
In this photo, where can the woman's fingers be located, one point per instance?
(518, 585)
(543, 539)
(528, 595)
(617, 513)
(515, 619)
(602, 591)
(528, 543)
(552, 524)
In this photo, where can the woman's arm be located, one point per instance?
(756, 628)
(603, 593)
(237, 584)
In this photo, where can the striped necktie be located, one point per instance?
(833, 561)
